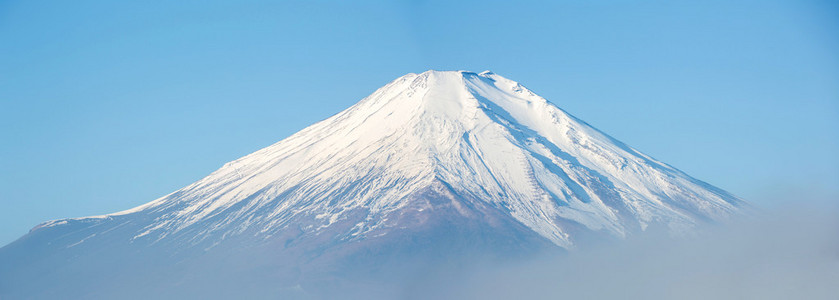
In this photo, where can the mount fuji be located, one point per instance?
(430, 166)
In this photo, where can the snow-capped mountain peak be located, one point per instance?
(433, 169)
(484, 141)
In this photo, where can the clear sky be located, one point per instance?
(105, 105)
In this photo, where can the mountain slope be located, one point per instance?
(431, 159)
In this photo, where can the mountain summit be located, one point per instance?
(439, 158)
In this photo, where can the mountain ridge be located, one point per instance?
(406, 132)
(432, 169)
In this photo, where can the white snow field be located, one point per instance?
(442, 157)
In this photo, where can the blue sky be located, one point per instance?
(105, 105)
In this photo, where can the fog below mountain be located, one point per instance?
(787, 252)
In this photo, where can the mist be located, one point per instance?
(790, 251)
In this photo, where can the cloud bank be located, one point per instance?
(789, 252)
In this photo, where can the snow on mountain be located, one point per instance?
(481, 135)
(438, 153)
